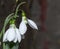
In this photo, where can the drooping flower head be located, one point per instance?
(12, 34)
(24, 22)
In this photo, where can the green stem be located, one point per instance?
(18, 8)
(4, 47)
(23, 13)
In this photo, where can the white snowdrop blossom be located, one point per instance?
(23, 27)
(12, 34)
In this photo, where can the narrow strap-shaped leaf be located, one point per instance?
(4, 46)
(15, 46)
(7, 46)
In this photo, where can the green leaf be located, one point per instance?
(15, 47)
(7, 46)
(10, 45)
(4, 46)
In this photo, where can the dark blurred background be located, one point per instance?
(48, 38)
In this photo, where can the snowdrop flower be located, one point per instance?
(23, 27)
(12, 34)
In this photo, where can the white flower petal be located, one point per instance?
(15, 39)
(11, 34)
(4, 37)
(22, 28)
(18, 35)
(32, 24)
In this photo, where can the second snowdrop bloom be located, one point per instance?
(23, 27)
(12, 34)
